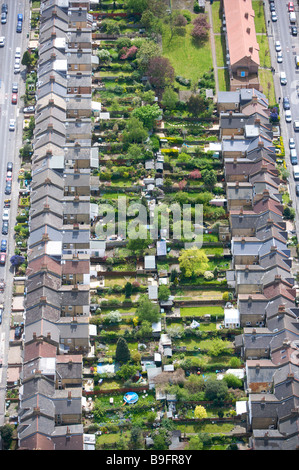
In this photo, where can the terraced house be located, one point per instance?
(261, 276)
(57, 287)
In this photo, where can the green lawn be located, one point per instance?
(188, 59)
(259, 19)
(266, 78)
(200, 311)
(264, 53)
(223, 79)
(217, 17)
(220, 50)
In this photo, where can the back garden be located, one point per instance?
(156, 81)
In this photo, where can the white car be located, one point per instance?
(273, 16)
(12, 124)
(288, 116)
(279, 57)
(292, 144)
(18, 53)
(5, 215)
(2, 41)
(277, 46)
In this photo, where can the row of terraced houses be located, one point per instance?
(56, 334)
(261, 273)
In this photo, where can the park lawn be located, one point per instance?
(188, 59)
(259, 19)
(216, 17)
(200, 311)
(264, 52)
(266, 77)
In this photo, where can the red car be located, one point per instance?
(291, 6)
(14, 98)
(9, 176)
(2, 258)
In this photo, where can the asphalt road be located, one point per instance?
(281, 31)
(10, 143)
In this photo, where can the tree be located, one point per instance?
(196, 105)
(145, 330)
(134, 131)
(193, 262)
(147, 51)
(122, 353)
(126, 371)
(128, 290)
(200, 412)
(138, 245)
(110, 27)
(16, 260)
(160, 73)
(218, 347)
(209, 177)
(201, 28)
(216, 390)
(26, 59)
(6, 432)
(177, 24)
(147, 310)
(147, 114)
(104, 55)
(164, 293)
(233, 381)
(136, 6)
(136, 438)
(169, 98)
(113, 317)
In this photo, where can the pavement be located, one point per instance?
(11, 142)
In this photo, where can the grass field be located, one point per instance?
(223, 79)
(188, 59)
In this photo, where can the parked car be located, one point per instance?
(288, 116)
(9, 166)
(272, 6)
(294, 30)
(15, 88)
(273, 16)
(12, 124)
(18, 53)
(4, 8)
(5, 227)
(20, 17)
(18, 332)
(2, 41)
(3, 18)
(286, 103)
(2, 258)
(5, 215)
(279, 57)
(9, 175)
(290, 6)
(19, 27)
(7, 189)
(277, 46)
(3, 245)
(297, 189)
(29, 109)
(14, 98)
(1, 313)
